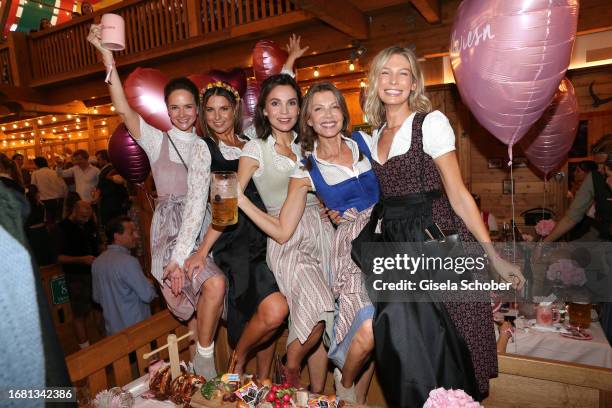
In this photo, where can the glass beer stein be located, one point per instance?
(580, 314)
(224, 198)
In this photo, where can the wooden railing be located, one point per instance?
(153, 28)
(6, 76)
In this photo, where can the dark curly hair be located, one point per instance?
(261, 121)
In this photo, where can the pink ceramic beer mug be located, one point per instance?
(546, 314)
(113, 32)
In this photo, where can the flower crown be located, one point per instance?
(219, 84)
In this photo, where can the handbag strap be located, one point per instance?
(422, 161)
(176, 150)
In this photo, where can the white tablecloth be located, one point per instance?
(553, 346)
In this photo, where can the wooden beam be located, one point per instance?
(342, 15)
(430, 9)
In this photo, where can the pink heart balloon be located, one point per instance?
(268, 59)
(200, 80)
(236, 78)
(547, 143)
(127, 156)
(144, 89)
(249, 103)
(508, 57)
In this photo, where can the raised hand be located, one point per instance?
(95, 38)
(294, 49)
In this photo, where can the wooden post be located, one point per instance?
(37, 147)
(19, 58)
(91, 143)
(194, 17)
(173, 354)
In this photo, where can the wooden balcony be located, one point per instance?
(154, 29)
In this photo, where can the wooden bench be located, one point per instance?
(535, 382)
(522, 382)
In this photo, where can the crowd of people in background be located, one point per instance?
(70, 215)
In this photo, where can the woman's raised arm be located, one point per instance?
(122, 108)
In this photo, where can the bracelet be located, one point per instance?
(109, 71)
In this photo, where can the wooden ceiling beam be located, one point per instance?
(343, 15)
(430, 9)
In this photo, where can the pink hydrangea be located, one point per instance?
(442, 398)
(544, 227)
(567, 271)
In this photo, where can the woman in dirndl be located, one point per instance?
(424, 345)
(180, 162)
(255, 307)
(338, 169)
(301, 265)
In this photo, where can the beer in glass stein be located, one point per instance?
(580, 314)
(224, 198)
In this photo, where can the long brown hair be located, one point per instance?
(219, 91)
(261, 121)
(307, 133)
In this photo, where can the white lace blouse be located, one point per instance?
(194, 151)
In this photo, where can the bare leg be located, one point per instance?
(192, 324)
(271, 313)
(317, 369)
(359, 351)
(264, 358)
(363, 384)
(296, 352)
(210, 307)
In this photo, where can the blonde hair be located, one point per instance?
(418, 102)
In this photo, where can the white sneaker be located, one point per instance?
(344, 394)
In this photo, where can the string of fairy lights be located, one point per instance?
(52, 128)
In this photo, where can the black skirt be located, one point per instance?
(417, 346)
(240, 252)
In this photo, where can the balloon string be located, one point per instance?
(510, 157)
(545, 194)
(513, 209)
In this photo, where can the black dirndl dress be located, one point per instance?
(422, 345)
(240, 252)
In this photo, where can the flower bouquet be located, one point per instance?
(442, 398)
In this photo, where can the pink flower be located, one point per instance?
(527, 237)
(441, 398)
(567, 271)
(545, 227)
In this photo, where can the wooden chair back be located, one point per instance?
(60, 313)
(107, 363)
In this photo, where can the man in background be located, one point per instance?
(52, 190)
(114, 199)
(119, 285)
(85, 175)
(78, 249)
